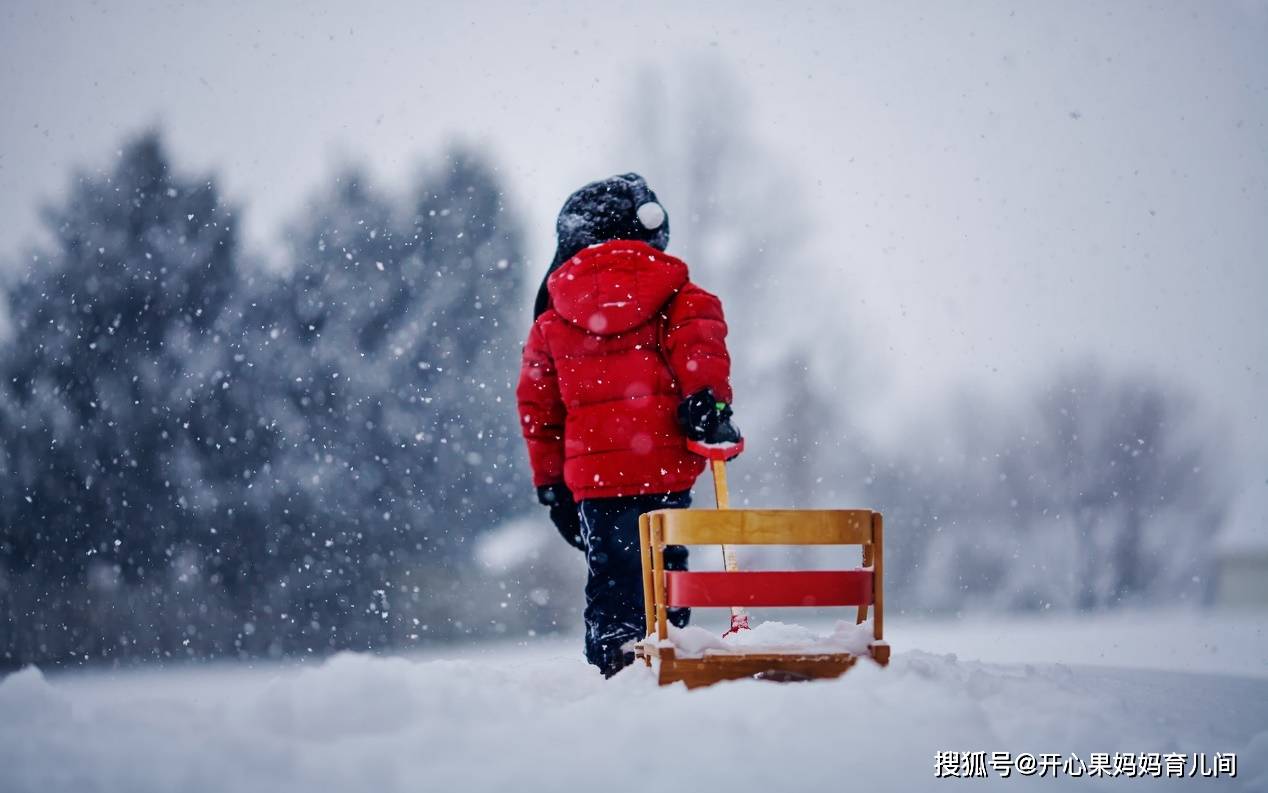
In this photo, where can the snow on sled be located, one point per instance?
(700, 663)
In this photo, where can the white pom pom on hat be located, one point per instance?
(651, 215)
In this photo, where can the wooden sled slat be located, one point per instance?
(696, 672)
(766, 526)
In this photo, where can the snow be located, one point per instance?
(771, 637)
(511, 544)
(533, 717)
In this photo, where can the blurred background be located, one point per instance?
(997, 271)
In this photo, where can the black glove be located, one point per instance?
(704, 418)
(563, 512)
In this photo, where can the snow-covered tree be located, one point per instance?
(1129, 466)
(204, 457)
(471, 315)
(113, 396)
(1097, 489)
(382, 360)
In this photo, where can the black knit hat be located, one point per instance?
(619, 208)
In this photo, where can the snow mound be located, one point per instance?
(770, 637)
(511, 545)
(532, 716)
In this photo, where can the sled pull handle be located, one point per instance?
(717, 455)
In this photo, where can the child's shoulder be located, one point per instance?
(693, 294)
(545, 319)
(691, 288)
(693, 303)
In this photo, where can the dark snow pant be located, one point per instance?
(614, 591)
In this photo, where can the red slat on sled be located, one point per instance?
(769, 588)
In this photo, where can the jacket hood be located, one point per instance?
(612, 287)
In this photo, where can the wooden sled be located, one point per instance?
(664, 589)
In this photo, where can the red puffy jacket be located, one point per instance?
(626, 338)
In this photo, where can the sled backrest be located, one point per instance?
(766, 526)
(662, 589)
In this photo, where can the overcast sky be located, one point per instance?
(992, 187)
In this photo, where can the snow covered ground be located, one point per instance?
(533, 717)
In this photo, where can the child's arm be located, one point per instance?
(695, 343)
(541, 411)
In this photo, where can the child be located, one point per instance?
(626, 360)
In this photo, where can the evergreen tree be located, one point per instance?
(384, 359)
(470, 248)
(113, 398)
(200, 459)
(341, 499)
